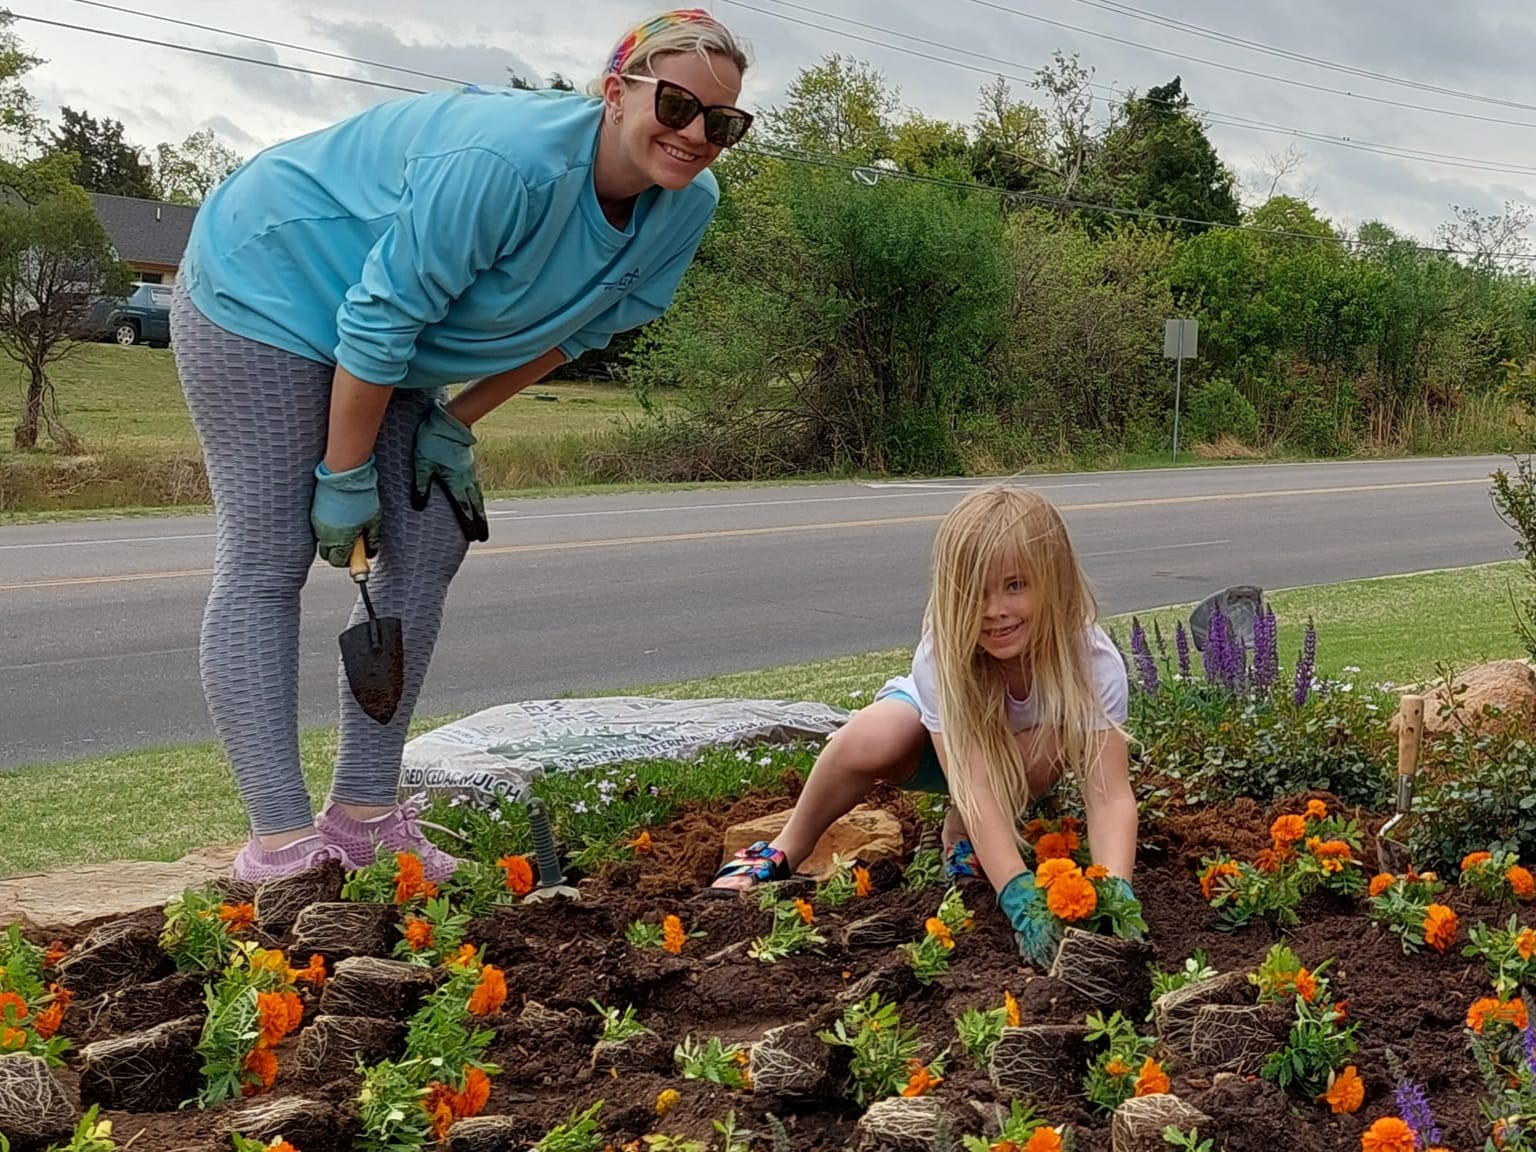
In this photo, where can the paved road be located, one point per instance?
(99, 620)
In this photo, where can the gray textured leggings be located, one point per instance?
(262, 415)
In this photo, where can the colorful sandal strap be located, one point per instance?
(961, 860)
(760, 861)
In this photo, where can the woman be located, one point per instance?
(331, 289)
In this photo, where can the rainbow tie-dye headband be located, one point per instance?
(645, 31)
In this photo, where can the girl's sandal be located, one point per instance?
(960, 860)
(760, 863)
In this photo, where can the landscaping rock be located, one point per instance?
(1108, 972)
(866, 834)
(485, 1134)
(789, 1061)
(279, 902)
(93, 892)
(646, 1052)
(903, 1123)
(114, 956)
(1028, 1062)
(1240, 604)
(1174, 1012)
(307, 1123)
(1237, 1038)
(331, 1047)
(150, 1071)
(1138, 1124)
(34, 1108)
(882, 930)
(340, 931)
(1508, 685)
(368, 986)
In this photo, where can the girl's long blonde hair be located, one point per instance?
(1002, 522)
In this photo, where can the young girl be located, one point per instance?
(1014, 686)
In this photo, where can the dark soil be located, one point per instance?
(562, 955)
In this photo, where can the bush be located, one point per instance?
(1218, 409)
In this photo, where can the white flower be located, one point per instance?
(856, 693)
(1350, 668)
(579, 808)
(494, 815)
(765, 761)
(743, 755)
(1346, 687)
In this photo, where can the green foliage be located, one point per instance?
(639, 934)
(882, 1049)
(389, 1107)
(838, 888)
(1112, 1073)
(194, 936)
(107, 162)
(92, 1134)
(1218, 409)
(1403, 905)
(618, 1025)
(21, 964)
(1014, 1127)
(442, 1034)
(1190, 1141)
(186, 173)
(580, 1133)
(1195, 968)
(1514, 498)
(1317, 1045)
(714, 1061)
(1500, 949)
(792, 932)
(979, 1031)
(447, 925)
(925, 870)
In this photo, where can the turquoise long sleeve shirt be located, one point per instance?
(439, 239)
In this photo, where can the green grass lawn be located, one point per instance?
(1394, 630)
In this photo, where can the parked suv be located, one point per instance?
(141, 317)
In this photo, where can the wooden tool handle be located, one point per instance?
(357, 564)
(1410, 730)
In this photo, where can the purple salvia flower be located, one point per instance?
(1234, 661)
(1159, 642)
(1530, 1046)
(1266, 651)
(1413, 1106)
(1212, 657)
(1305, 664)
(1146, 666)
(1181, 646)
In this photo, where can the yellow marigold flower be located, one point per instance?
(666, 1100)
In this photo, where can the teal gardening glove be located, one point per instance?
(345, 506)
(445, 453)
(1034, 927)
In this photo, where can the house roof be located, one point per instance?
(145, 231)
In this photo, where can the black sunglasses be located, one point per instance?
(676, 107)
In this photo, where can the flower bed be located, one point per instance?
(866, 1012)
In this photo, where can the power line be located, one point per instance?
(1473, 163)
(216, 55)
(827, 160)
(264, 40)
(1142, 14)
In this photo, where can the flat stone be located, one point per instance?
(150, 1071)
(279, 902)
(1138, 1124)
(115, 955)
(48, 901)
(866, 834)
(34, 1108)
(342, 930)
(369, 986)
(331, 1047)
(1508, 685)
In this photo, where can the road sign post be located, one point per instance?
(1181, 341)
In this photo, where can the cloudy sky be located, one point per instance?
(1442, 57)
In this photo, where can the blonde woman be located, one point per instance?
(1014, 687)
(332, 289)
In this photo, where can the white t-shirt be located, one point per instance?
(1107, 673)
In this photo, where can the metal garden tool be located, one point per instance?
(373, 652)
(1391, 842)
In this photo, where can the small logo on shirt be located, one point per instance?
(624, 283)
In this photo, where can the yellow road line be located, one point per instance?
(784, 529)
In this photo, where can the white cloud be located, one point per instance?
(160, 93)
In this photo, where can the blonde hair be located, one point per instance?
(1017, 525)
(706, 37)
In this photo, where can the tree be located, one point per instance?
(18, 112)
(931, 147)
(842, 106)
(106, 161)
(1010, 146)
(185, 173)
(54, 255)
(1159, 159)
(557, 82)
(1069, 122)
(1494, 243)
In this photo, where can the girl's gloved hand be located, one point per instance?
(445, 453)
(1034, 927)
(345, 506)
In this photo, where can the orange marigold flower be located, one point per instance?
(237, 917)
(1306, 985)
(1491, 1009)
(410, 880)
(272, 1016)
(1117, 1068)
(1151, 1080)
(1096, 872)
(464, 957)
(1266, 861)
(1214, 873)
(295, 1008)
(48, 1020)
(921, 1081)
(1317, 810)
(12, 1038)
(441, 1111)
(1333, 850)
(1011, 1015)
(1389, 1134)
(1043, 1140)
(1056, 846)
(1439, 927)
(1474, 859)
(1346, 1093)
(472, 1098)
(55, 954)
(672, 935)
(1341, 1010)
(807, 913)
(1521, 881)
(939, 931)
(490, 994)
(1053, 870)
(862, 884)
(641, 844)
(1287, 830)
(1072, 898)
(1525, 943)
(281, 1146)
(1381, 882)
(313, 972)
(261, 1063)
(12, 1007)
(1034, 830)
(519, 874)
(418, 933)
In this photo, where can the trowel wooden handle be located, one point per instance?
(357, 564)
(1410, 730)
